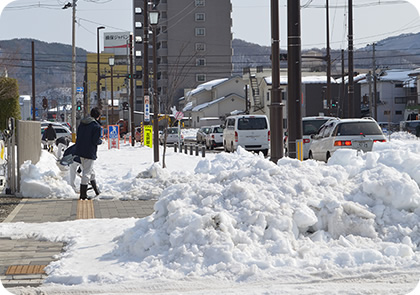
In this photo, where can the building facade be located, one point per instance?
(193, 45)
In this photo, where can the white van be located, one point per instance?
(252, 132)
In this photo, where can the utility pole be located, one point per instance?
(33, 82)
(146, 51)
(276, 108)
(73, 68)
(294, 81)
(343, 86)
(131, 92)
(351, 66)
(328, 57)
(375, 99)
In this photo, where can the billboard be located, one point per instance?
(116, 43)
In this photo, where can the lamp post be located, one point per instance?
(153, 20)
(98, 83)
(111, 62)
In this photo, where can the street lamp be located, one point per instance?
(111, 62)
(153, 20)
(98, 84)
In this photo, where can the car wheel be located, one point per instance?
(310, 155)
(327, 157)
(212, 145)
(231, 147)
(265, 153)
(225, 147)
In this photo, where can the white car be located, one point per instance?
(172, 136)
(311, 125)
(214, 138)
(252, 132)
(358, 134)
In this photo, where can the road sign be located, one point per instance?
(146, 108)
(79, 89)
(113, 137)
(179, 115)
(148, 132)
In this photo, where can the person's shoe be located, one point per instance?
(83, 192)
(95, 187)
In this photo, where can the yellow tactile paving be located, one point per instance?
(25, 269)
(85, 209)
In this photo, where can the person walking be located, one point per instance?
(50, 136)
(87, 141)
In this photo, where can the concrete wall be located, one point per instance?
(28, 141)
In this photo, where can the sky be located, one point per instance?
(236, 223)
(374, 20)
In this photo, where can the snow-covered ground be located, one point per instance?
(236, 223)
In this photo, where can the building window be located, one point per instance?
(164, 60)
(164, 29)
(398, 113)
(164, 44)
(400, 100)
(200, 31)
(200, 2)
(387, 112)
(200, 17)
(163, 15)
(200, 78)
(138, 53)
(200, 62)
(268, 95)
(139, 25)
(138, 10)
(200, 47)
(139, 39)
(399, 85)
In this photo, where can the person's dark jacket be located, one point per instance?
(50, 133)
(88, 138)
(70, 151)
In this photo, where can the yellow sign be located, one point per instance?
(148, 135)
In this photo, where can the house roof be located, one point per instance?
(190, 107)
(305, 80)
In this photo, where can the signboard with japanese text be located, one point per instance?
(116, 43)
(148, 135)
(113, 137)
(146, 108)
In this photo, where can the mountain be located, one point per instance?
(53, 61)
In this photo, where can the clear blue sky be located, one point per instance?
(374, 20)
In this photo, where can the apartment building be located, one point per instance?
(193, 43)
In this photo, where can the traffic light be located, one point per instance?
(79, 106)
(283, 56)
(125, 106)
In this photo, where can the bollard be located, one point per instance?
(191, 149)
(175, 147)
(196, 149)
(203, 151)
(185, 149)
(180, 148)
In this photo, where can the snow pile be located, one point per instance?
(241, 216)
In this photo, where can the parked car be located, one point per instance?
(311, 125)
(358, 134)
(201, 134)
(214, 138)
(172, 136)
(409, 126)
(252, 132)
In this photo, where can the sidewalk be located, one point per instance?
(22, 261)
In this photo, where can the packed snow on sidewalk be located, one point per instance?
(236, 223)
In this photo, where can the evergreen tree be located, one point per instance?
(9, 101)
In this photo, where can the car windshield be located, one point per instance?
(312, 126)
(173, 131)
(358, 128)
(252, 124)
(217, 130)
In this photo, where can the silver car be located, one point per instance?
(358, 134)
(172, 136)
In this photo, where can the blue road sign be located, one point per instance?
(79, 89)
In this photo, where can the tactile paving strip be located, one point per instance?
(85, 209)
(25, 269)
